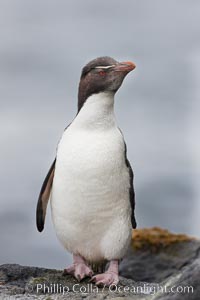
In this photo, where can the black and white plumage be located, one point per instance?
(90, 183)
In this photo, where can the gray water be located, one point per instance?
(43, 46)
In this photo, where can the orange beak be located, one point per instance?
(126, 66)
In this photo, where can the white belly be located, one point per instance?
(90, 194)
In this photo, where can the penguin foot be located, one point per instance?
(106, 279)
(110, 277)
(79, 269)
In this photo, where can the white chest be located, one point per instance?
(92, 148)
(96, 153)
(90, 158)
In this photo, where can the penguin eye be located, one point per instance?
(102, 73)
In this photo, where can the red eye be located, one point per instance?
(102, 73)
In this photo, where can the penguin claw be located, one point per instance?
(105, 279)
(69, 270)
(78, 277)
(79, 271)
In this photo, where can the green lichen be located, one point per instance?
(38, 280)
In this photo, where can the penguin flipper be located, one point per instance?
(44, 197)
(131, 188)
(131, 194)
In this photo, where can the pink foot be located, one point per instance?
(106, 279)
(79, 269)
(110, 277)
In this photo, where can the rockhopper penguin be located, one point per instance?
(90, 183)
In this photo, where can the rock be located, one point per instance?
(31, 283)
(159, 266)
(163, 252)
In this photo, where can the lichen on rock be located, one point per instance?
(156, 238)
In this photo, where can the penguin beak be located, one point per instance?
(126, 67)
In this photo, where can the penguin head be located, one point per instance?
(103, 74)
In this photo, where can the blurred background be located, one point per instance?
(43, 46)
